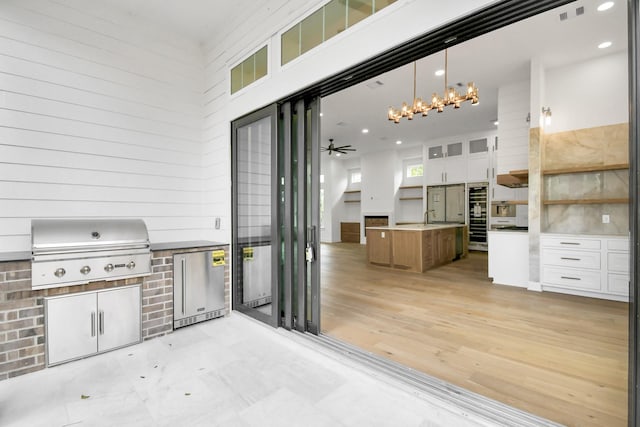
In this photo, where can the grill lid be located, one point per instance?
(65, 235)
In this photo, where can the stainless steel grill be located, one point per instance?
(71, 252)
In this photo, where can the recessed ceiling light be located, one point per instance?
(604, 45)
(439, 73)
(337, 154)
(496, 123)
(605, 6)
(398, 142)
(320, 114)
(365, 130)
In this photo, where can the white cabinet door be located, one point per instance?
(509, 258)
(478, 168)
(478, 162)
(118, 317)
(435, 166)
(618, 284)
(446, 164)
(71, 323)
(456, 164)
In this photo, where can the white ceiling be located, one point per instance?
(490, 61)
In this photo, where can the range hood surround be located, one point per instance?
(514, 179)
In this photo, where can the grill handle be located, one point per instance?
(184, 284)
(83, 249)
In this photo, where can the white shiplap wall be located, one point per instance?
(100, 116)
(513, 131)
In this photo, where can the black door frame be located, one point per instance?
(633, 10)
(270, 112)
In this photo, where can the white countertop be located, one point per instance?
(416, 227)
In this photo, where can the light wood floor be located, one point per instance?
(558, 356)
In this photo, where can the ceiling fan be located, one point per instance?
(340, 150)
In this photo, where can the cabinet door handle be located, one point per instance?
(101, 322)
(93, 323)
(184, 285)
(570, 243)
(570, 259)
(570, 278)
(487, 173)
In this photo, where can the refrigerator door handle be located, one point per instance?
(183, 262)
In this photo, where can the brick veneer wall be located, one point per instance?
(22, 331)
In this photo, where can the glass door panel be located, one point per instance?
(255, 231)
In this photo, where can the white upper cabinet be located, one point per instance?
(478, 160)
(446, 164)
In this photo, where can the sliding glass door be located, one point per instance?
(276, 215)
(255, 235)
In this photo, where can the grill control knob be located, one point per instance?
(60, 272)
(108, 268)
(85, 270)
(131, 265)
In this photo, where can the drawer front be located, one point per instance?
(618, 262)
(350, 227)
(618, 244)
(576, 279)
(576, 259)
(569, 242)
(618, 284)
(503, 220)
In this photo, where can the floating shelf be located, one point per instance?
(410, 198)
(351, 191)
(352, 201)
(581, 169)
(406, 187)
(514, 179)
(586, 201)
(511, 202)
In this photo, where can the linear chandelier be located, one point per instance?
(450, 97)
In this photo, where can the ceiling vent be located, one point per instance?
(579, 11)
(375, 84)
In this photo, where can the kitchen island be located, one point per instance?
(416, 247)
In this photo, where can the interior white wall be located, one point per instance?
(335, 183)
(379, 182)
(602, 80)
(100, 116)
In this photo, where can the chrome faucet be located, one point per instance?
(426, 215)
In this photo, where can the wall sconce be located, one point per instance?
(546, 115)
